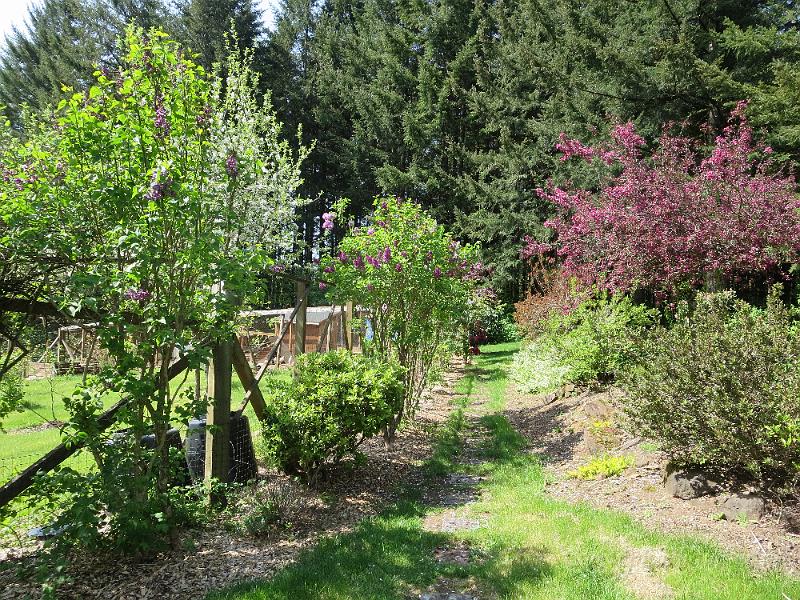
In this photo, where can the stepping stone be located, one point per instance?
(460, 479)
(459, 497)
(449, 522)
(446, 596)
(455, 556)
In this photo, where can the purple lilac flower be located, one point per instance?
(160, 186)
(139, 295)
(404, 254)
(161, 122)
(342, 256)
(232, 166)
(204, 116)
(381, 224)
(322, 285)
(398, 267)
(358, 263)
(437, 273)
(329, 269)
(384, 206)
(278, 268)
(370, 231)
(327, 220)
(387, 254)
(370, 287)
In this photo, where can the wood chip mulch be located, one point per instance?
(214, 557)
(562, 430)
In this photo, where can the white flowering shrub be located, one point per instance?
(257, 171)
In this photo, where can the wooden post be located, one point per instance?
(348, 326)
(300, 320)
(218, 434)
(251, 389)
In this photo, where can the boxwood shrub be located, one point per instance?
(334, 402)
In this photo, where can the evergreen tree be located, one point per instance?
(63, 43)
(205, 24)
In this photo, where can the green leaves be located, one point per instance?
(412, 279)
(335, 401)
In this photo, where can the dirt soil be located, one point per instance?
(566, 429)
(215, 557)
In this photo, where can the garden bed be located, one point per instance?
(215, 557)
(568, 430)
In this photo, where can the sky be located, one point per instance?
(13, 12)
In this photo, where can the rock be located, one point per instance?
(688, 484)
(749, 506)
(568, 390)
(598, 407)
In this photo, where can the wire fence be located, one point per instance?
(11, 466)
(244, 442)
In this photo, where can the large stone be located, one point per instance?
(744, 506)
(598, 407)
(688, 484)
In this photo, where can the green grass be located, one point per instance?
(44, 401)
(533, 547)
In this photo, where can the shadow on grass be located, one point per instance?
(386, 557)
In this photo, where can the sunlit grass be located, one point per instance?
(532, 546)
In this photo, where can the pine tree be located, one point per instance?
(63, 43)
(206, 23)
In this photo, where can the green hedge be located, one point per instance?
(335, 401)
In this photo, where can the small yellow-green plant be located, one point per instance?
(602, 466)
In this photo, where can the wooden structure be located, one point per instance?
(286, 334)
(325, 329)
(76, 349)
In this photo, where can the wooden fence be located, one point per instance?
(227, 357)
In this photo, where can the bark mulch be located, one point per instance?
(215, 556)
(567, 429)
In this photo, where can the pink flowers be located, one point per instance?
(136, 294)
(232, 166)
(669, 220)
(327, 220)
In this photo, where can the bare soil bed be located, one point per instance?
(214, 557)
(568, 428)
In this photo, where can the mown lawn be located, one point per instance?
(44, 400)
(531, 546)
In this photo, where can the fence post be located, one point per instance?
(218, 432)
(348, 325)
(300, 321)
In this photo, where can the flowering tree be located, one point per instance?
(414, 281)
(671, 220)
(157, 186)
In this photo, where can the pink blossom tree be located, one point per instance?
(674, 220)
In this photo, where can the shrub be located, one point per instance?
(412, 279)
(335, 401)
(260, 508)
(592, 343)
(721, 387)
(602, 466)
(674, 219)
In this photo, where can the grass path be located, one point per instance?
(526, 544)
